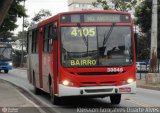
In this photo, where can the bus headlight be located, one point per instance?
(67, 83)
(10, 63)
(130, 80)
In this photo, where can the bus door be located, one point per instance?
(49, 55)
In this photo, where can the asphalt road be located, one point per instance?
(144, 98)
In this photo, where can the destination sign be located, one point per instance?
(83, 62)
(102, 18)
(94, 17)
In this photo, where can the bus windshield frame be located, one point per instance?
(5, 53)
(88, 41)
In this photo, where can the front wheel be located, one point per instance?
(37, 91)
(115, 98)
(54, 99)
(6, 71)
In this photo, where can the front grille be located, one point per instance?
(3, 64)
(98, 90)
(3, 67)
(108, 83)
(83, 84)
(104, 83)
(97, 73)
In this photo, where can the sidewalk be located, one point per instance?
(11, 99)
(142, 84)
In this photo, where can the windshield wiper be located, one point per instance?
(83, 36)
(85, 39)
(3, 50)
(106, 37)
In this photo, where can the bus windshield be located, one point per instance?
(5, 53)
(96, 46)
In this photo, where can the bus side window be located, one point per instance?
(54, 31)
(50, 40)
(27, 43)
(45, 39)
(35, 41)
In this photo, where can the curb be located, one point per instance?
(149, 87)
(20, 68)
(31, 96)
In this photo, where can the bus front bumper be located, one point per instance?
(7, 67)
(96, 90)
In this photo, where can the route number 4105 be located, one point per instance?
(83, 31)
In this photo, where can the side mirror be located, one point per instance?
(13, 53)
(54, 33)
(136, 42)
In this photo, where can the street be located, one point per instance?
(143, 97)
(76, 49)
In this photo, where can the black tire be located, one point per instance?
(5, 71)
(37, 91)
(54, 99)
(115, 98)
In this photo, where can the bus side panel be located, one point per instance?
(40, 50)
(33, 63)
(47, 70)
(29, 72)
(34, 67)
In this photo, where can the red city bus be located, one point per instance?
(83, 53)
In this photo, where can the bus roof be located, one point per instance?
(32, 27)
(95, 11)
(53, 18)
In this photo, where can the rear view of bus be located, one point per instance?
(97, 55)
(5, 57)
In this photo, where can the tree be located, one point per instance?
(143, 44)
(22, 37)
(4, 7)
(120, 5)
(20, 41)
(41, 15)
(143, 13)
(9, 23)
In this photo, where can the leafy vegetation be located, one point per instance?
(40, 16)
(143, 13)
(9, 23)
(120, 5)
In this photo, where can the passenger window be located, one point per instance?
(47, 40)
